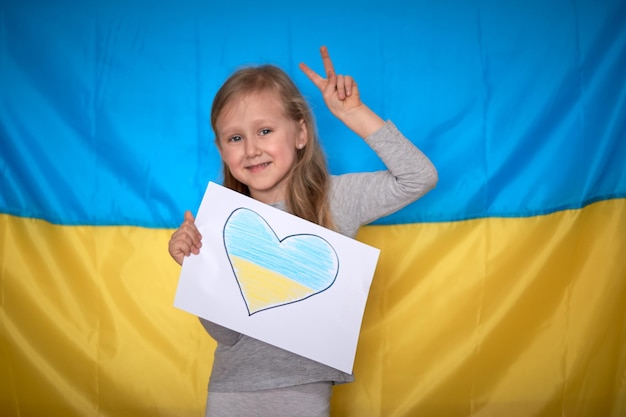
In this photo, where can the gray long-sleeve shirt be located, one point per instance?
(242, 363)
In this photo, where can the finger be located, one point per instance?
(349, 85)
(185, 240)
(331, 85)
(312, 75)
(189, 226)
(191, 241)
(341, 87)
(177, 252)
(183, 244)
(190, 235)
(180, 238)
(328, 63)
(178, 257)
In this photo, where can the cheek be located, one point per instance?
(287, 154)
(229, 157)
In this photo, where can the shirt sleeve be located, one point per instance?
(360, 198)
(221, 334)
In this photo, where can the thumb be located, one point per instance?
(189, 216)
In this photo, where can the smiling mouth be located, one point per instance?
(258, 166)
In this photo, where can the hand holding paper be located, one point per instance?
(186, 240)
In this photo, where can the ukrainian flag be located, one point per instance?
(500, 293)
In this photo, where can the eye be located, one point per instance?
(264, 132)
(235, 138)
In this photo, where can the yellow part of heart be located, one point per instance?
(263, 288)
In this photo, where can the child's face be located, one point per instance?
(258, 144)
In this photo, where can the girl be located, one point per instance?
(267, 140)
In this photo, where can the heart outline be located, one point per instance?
(316, 276)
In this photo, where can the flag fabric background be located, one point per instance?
(502, 292)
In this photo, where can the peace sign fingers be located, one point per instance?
(339, 91)
(319, 81)
(342, 97)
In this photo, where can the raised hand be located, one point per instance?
(341, 95)
(185, 240)
(340, 92)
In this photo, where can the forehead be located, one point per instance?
(265, 102)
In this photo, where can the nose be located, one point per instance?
(251, 148)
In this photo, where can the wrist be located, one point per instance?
(363, 121)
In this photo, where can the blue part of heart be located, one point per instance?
(305, 258)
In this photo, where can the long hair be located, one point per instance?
(308, 182)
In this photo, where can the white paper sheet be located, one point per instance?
(277, 278)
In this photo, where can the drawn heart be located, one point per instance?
(273, 272)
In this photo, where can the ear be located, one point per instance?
(302, 136)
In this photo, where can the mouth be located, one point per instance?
(258, 167)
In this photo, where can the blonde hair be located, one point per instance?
(308, 183)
